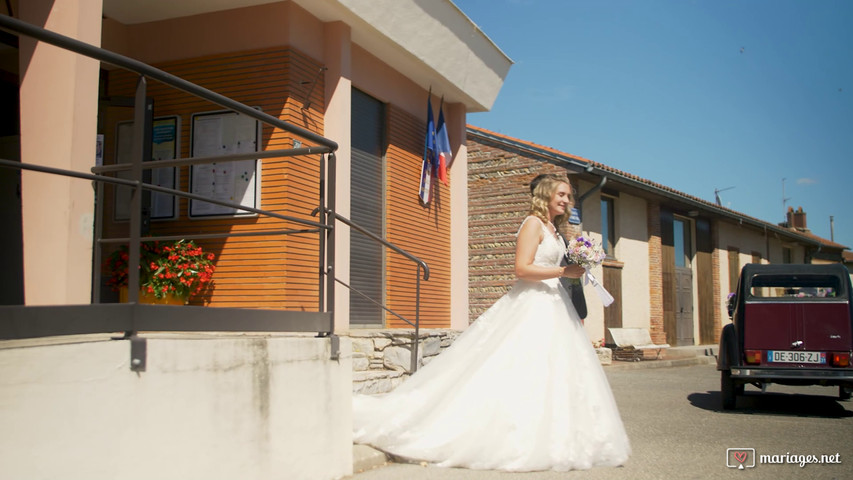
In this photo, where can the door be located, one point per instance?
(612, 281)
(708, 321)
(683, 245)
(367, 264)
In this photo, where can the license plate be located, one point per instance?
(781, 356)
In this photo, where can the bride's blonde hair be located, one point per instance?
(542, 194)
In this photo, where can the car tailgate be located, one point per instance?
(820, 326)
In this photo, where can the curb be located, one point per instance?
(367, 458)
(675, 362)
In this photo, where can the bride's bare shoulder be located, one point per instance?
(529, 224)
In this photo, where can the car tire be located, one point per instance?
(728, 390)
(843, 393)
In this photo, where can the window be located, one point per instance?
(608, 232)
(795, 286)
(787, 255)
(682, 241)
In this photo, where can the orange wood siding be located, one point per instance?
(422, 231)
(271, 272)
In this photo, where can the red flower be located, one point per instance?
(181, 268)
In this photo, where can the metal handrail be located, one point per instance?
(182, 162)
(360, 229)
(40, 321)
(421, 265)
(326, 184)
(156, 188)
(138, 164)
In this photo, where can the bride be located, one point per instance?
(521, 389)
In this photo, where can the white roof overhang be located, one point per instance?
(431, 42)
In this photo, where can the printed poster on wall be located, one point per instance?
(224, 133)
(164, 147)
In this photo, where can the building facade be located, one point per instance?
(672, 258)
(352, 73)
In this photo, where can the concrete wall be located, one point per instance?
(207, 407)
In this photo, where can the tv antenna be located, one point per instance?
(784, 199)
(717, 194)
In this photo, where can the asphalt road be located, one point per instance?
(678, 431)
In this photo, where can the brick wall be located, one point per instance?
(656, 328)
(715, 265)
(498, 200)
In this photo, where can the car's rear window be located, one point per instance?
(795, 286)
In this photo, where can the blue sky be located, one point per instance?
(695, 95)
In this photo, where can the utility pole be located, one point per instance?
(784, 202)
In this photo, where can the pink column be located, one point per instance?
(59, 107)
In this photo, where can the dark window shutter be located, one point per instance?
(367, 179)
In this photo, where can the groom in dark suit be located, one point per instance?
(572, 285)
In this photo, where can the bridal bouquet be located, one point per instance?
(586, 253)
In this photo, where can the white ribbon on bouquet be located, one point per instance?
(603, 294)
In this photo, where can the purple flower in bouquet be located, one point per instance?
(584, 252)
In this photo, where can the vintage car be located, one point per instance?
(791, 325)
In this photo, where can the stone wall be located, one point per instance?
(382, 359)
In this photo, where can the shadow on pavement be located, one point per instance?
(772, 403)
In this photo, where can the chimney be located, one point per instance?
(797, 219)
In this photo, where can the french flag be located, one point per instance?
(442, 146)
(429, 163)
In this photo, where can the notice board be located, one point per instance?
(224, 133)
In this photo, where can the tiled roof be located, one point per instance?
(823, 241)
(648, 183)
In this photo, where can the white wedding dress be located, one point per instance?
(520, 390)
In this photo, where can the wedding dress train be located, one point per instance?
(520, 390)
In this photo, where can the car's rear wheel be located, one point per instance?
(728, 390)
(843, 393)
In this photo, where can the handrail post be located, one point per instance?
(321, 253)
(96, 245)
(330, 219)
(137, 150)
(416, 339)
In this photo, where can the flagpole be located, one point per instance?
(428, 165)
